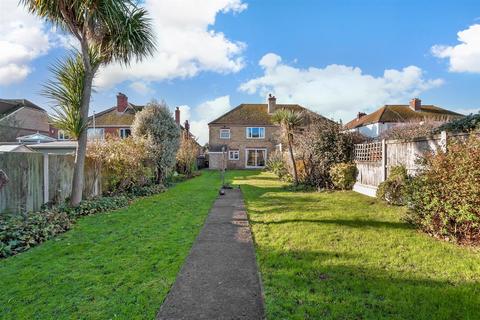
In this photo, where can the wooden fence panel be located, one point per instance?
(24, 191)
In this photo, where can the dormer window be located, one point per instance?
(224, 133)
(255, 133)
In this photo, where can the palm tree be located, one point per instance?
(289, 120)
(116, 30)
(66, 92)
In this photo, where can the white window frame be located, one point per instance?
(62, 135)
(248, 130)
(224, 131)
(99, 133)
(123, 130)
(234, 155)
(246, 158)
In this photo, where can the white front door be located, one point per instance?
(255, 158)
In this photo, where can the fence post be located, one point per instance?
(384, 160)
(443, 141)
(45, 178)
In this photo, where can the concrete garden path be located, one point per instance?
(219, 279)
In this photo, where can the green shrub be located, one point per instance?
(343, 175)
(444, 200)
(20, 232)
(146, 190)
(465, 124)
(276, 164)
(394, 189)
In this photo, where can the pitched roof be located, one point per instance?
(256, 114)
(36, 137)
(111, 116)
(403, 113)
(7, 106)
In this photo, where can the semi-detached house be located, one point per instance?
(244, 137)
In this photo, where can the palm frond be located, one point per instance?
(65, 93)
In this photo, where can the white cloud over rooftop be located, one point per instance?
(337, 91)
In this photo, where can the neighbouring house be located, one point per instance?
(117, 120)
(20, 117)
(374, 124)
(245, 136)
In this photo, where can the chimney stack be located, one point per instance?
(361, 114)
(187, 126)
(272, 103)
(122, 102)
(177, 116)
(416, 104)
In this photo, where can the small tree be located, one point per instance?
(289, 121)
(156, 124)
(117, 30)
(320, 147)
(187, 155)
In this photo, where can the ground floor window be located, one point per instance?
(233, 155)
(97, 133)
(125, 132)
(255, 158)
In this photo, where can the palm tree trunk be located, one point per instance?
(79, 168)
(290, 149)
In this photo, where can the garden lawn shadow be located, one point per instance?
(119, 264)
(342, 255)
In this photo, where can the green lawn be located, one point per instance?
(116, 265)
(342, 255)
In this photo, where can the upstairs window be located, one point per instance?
(62, 135)
(125, 132)
(224, 133)
(255, 133)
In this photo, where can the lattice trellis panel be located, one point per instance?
(368, 152)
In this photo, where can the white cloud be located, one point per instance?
(201, 115)
(23, 38)
(141, 88)
(337, 91)
(463, 57)
(186, 43)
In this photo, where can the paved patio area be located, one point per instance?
(219, 279)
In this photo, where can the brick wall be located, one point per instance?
(239, 141)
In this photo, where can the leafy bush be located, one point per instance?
(344, 175)
(394, 189)
(187, 155)
(466, 124)
(444, 199)
(18, 233)
(321, 146)
(156, 124)
(410, 130)
(276, 164)
(124, 163)
(146, 190)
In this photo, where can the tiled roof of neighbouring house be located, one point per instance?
(112, 117)
(256, 114)
(403, 113)
(7, 106)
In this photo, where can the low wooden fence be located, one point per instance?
(375, 159)
(36, 178)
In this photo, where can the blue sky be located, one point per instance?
(335, 57)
